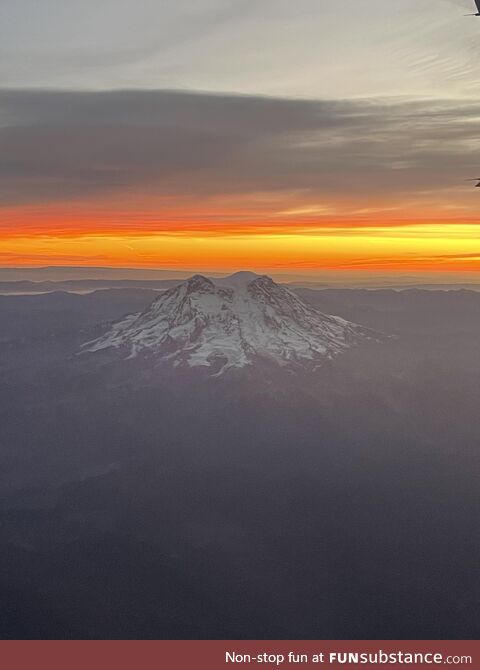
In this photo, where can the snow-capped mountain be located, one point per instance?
(231, 323)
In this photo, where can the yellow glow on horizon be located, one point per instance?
(425, 246)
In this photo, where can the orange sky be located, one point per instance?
(200, 181)
(300, 240)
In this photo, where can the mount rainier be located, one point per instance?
(231, 323)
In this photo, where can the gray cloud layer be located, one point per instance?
(57, 145)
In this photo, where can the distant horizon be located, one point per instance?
(366, 278)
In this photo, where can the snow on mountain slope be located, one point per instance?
(232, 320)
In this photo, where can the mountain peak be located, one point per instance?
(199, 283)
(231, 322)
(238, 278)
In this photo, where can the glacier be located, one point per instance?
(233, 320)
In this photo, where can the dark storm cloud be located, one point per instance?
(57, 145)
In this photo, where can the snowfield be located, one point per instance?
(235, 320)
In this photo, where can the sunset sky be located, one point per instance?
(290, 137)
